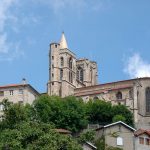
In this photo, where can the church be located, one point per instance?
(79, 77)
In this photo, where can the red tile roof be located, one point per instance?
(142, 131)
(12, 85)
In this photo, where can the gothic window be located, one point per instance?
(61, 74)
(61, 61)
(147, 94)
(80, 74)
(119, 95)
(70, 77)
(70, 63)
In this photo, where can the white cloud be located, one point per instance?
(135, 66)
(8, 50)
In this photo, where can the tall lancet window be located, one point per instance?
(61, 61)
(61, 74)
(70, 77)
(70, 63)
(80, 74)
(147, 95)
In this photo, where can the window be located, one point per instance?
(80, 74)
(11, 92)
(52, 57)
(119, 95)
(1, 93)
(70, 63)
(61, 74)
(52, 66)
(52, 83)
(1, 107)
(52, 75)
(55, 46)
(20, 91)
(95, 98)
(70, 77)
(61, 61)
(147, 95)
(141, 140)
(147, 141)
(119, 141)
(131, 94)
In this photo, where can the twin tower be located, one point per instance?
(66, 72)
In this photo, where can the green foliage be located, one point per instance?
(99, 111)
(87, 136)
(119, 118)
(123, 111)
(100, 143)
(36, 136)
(102, 112)
(68, 113)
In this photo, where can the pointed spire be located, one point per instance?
(63, 42)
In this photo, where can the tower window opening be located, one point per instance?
(61, 61)
(147, 95)
(61, 74)
(70, 63)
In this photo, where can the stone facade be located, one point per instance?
(66, 72)
(18, 93)
(131, 93)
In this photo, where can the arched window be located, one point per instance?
(61, 61)
(147, 95)
(95, 98)
(61, 74)
(70, 63)
(80, 74)
(119, 95)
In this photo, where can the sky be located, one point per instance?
(114, 33)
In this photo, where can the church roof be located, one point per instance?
(63, 42)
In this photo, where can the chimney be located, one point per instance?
(24, 81)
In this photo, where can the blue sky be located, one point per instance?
(115, 33)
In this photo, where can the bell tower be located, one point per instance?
(62, 69)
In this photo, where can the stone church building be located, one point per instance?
(71, 76)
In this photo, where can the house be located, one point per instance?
(18, 93)
(117, 134)
(88, 146)
(142, 139)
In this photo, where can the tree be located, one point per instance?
(124, 112)
(36, 136)
(68, 112)
(86, 136)
(118, 118)
(99, 111)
